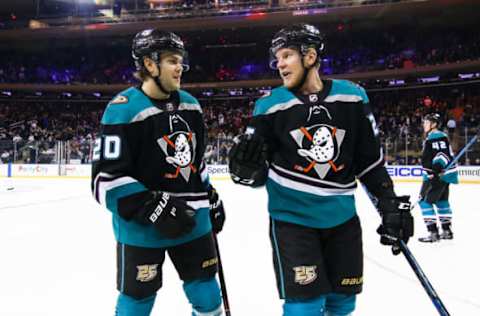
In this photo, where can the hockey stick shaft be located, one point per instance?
(437, 302)
(463, 151)
(221, 277)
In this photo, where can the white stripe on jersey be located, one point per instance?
(441, 156)
(199, 204)
(283, 106)
(343, 98)
(95, 183)
(373, 165)
(190, 106)
(144, 114)
(104, 187)
(302, 176)
(187, 194)
(307, 188)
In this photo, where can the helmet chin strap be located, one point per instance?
(306, 70)
(159, 85)
(158, 81)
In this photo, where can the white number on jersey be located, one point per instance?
(111, 147)
(439, 145)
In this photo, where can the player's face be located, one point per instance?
(171, 70)
(427, 126)
(289, 65)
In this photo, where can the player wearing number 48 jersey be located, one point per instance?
(148, 171)
(436, 156)
(308, 142)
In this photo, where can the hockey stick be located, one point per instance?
(221, 277)
(437, 302)
(454, 160)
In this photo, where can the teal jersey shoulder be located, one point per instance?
(123, 108)
(186, 97)
(347, 91)
(278, 97)
(133, 105)
(281, 98)
(436, 135)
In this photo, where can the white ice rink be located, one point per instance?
(57, 256)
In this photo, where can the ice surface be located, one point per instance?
(57, 256)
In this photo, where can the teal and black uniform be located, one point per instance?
(150, 145)
(318, 146)
(321, 144)
(135, 153)
(437, 155)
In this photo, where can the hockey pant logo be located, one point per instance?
(146, 272)
(305, 274)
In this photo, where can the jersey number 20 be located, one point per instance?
(111, 147)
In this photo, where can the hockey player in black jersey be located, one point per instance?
(308, 143)
(436, 156)
(148, 171)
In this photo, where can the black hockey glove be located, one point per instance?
(171, 216)
(397, 222)
(217, 213)
(248, 161)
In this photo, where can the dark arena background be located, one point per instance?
(62, 61)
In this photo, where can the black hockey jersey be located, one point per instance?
(151, 145)
(437, 150)
(319, 144)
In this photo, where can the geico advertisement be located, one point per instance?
(416, 172)
(404, 171)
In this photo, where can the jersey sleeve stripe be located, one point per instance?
(377, 163)
(307, 188)
(441, 158)
(313, 181)
(109, 190)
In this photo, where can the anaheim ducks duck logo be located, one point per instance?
(179, 148)
(320, 146)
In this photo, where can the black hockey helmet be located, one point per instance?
(152, 42)
(299, 36)
(433, 118)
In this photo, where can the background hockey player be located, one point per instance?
(437, 154)
(308, 142)
(148, 170)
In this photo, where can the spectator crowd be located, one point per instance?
(29, 131)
